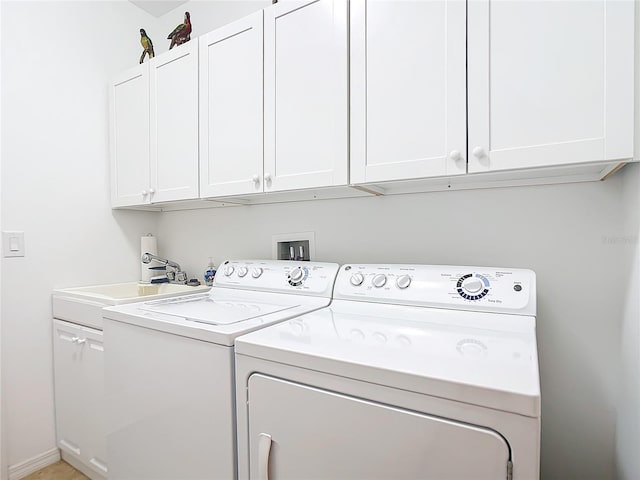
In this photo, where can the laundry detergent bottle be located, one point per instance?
(210, 273)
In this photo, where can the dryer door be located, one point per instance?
(299, 432)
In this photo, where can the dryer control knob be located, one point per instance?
(403, 281)
(256, 272)
(296, 275)
(473, 285)
(379, 280)
(357, 279)
(242, 271)
(228, 271)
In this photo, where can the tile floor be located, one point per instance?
(58, 471)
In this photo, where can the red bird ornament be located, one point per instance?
(182, 33)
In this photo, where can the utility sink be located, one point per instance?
(123, 292)
(84, 305)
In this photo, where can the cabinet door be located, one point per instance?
(93, 383)
(174, 124)
(408, 89)
(231, 109)
(129, 98)
(550, 83)
(305, 103)
(300, 432)
(69, 392)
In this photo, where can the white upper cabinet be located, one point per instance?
(154, 130)
(129, 99)
(174, 124)
(231, 137)
(550, 82)
(408, 89)
(305, 95)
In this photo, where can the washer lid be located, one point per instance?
(462, 356)
(211, 311)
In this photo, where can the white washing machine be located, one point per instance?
(169, 367)
(413, 372)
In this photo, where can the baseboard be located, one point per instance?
(22, 469)
(78, 465)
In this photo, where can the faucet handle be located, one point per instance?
(181, 277)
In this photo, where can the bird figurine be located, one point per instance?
(147, 45)
(182, 33)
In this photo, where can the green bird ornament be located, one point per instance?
(147, 45)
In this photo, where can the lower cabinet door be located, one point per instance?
(93, 381)
(69, 391)
(300, 432)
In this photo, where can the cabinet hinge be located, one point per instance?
(509, 470)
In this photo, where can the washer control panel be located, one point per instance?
(280, 276)
(500, 290)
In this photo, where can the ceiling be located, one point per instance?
(157, 8)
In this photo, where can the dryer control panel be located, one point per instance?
(499, 290)
(278, 276)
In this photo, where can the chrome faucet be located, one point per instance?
(174, 276)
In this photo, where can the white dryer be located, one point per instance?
(169, 366)
(413, 372)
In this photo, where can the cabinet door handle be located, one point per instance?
(264, 448)
(478, 152)
(75, 339)
(144, 193)
(267, 177)
(152, 191)
(81, 341)
(256, 179)
(455, 155)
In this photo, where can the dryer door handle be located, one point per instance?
(264, 448)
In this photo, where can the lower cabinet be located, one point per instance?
(79, 396)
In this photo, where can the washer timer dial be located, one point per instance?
(297, 276)
(473, 286)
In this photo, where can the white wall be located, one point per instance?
(4, 473)
(57, 58)
(567, 234)
(628, 432)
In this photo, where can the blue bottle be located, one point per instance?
(210, 273)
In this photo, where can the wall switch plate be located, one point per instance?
(13, 244)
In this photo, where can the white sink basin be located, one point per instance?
(84, 305)
(117, 292)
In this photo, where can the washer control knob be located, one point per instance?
(256, 272)
(403, 281)
(296, 275)
(473, 285)
(242, 271)
(379, 280)
(357, 279)
(228, 271)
